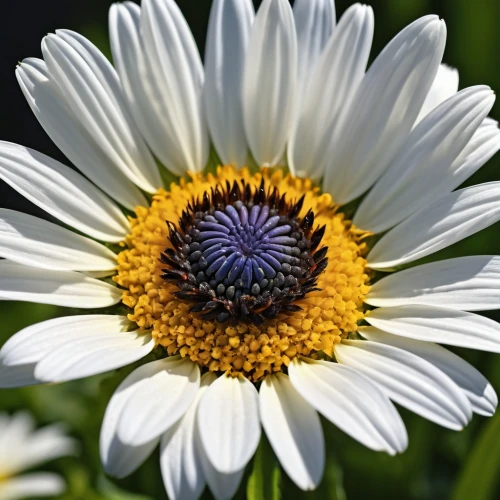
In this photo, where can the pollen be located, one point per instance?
(233, 339)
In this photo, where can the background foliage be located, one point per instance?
(438, 464)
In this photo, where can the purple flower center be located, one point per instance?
(244, 254)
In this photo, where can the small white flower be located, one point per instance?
(22, 447)
(290, 87)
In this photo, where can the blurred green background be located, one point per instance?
(438, 463)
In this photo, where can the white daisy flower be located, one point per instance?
(22, 447)
(262, 298)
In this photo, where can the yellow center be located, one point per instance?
(326, 317)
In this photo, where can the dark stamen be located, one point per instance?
(244, 254)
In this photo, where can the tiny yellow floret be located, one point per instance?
(327, 315)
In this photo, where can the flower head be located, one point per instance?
(21, 447)
(260, 288)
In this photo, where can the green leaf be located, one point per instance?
(480, 474)
(264, 483)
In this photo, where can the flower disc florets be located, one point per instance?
(327, 304)
(243, 253)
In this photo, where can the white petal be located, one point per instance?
(43, 445)
(478, 390)
(438, 324)
(445, 85)
(332, 85)
(449, 219)
(35, 242)
(16, 433)
(129, 60)
(118, 458)
(92, 90)
(144, 85)
(180, 459)
(64, 128)
(35, 342)
(61, 192)
(424, 169)
(180, 463)
(35, 484)
(173, 95)
(270, 81)
(17, 427)
(227, 42)
(185, 477)
(158, 396)
(466, 283)
(17, 376)
(483, 145)
(223, 486)
(490, 122)
(228, 420)
(409, 380)
(84, 357)
(314, 22)
(384, 109)
(294, 430)
(141, 167)
(351, 402)
(60, 288)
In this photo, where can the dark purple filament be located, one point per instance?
(244, 254)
